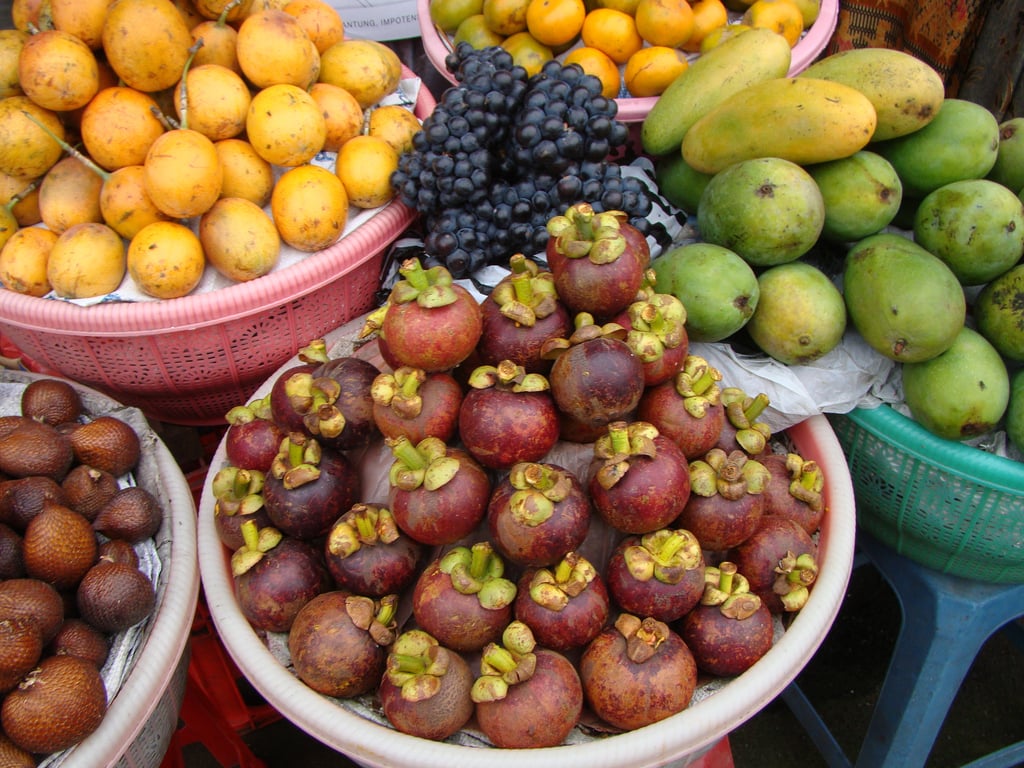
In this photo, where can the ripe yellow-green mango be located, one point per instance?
(740, 61)
(905, 91)
(801, 119)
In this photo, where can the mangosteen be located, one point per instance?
(794, 489)
(526, 696)
(238, 496)
(687, 408)
(537, 513)
(338, 642)
(430, 321)
(637, 672)
(438, 494)
(507, 416)
(726, 502)
(309, 487)
(595, 379)
(344, 419)
(425, 690)
(275, 575)
(639, 479)
(565, 606)
(659, 574)
(289, 393)
(779, 561)
(253, 438)
(731, 628)
(416, 404)
(366, 552)
(463, 599)
(741, 430)
(599, 260)
(656, 328)
(521, 312)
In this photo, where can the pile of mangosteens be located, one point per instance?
(518, 515)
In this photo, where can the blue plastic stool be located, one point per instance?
(946, 621)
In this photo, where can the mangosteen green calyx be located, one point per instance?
(726, 501)
(657, 335)
(742, 429)
(795, 489)
(425, 688)
(659, 574)
(526, 696)
(238, 496)
(417, 404)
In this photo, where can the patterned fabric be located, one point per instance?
(976, 45)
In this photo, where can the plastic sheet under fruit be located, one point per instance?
(124, 645)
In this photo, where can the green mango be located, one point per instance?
(862, 195)
(976, 226)
(800, 315)
(1009, 166)
(962, 392)
(679, 183)
(999, 313)
(718, 289)
(960, 142)
(766, 209)
(905, 302)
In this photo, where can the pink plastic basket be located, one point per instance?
(190, 360)
(633, 110)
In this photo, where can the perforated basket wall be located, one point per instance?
(190, 360)
(946, 505)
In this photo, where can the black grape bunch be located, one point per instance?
(503, 152)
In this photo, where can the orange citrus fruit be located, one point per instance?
(599, 64)
(650, 70)
(810, 9)
(555, 22)
(708, 15)
(612, 32)
(527, 51)
(780, 16)
(474, 30)
(664, 22)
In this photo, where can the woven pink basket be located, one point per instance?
(190, 360)
(438, 45)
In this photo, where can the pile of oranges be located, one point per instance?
(636, 46)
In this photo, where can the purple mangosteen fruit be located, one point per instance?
(794, 489)
(779, 561)
(731, 628)
(338, 642)
(253, 438)
(416, 404)
(537, 513)
(368, 554)
(463, 599)
(656, 328)
(521, 313)
(637, 672)
(659, 574)
(687, 408)
(639, 479)
(425, 689)
(526, 696)
(566, 605)
(726, 503)
(438, 494)
(507, 416)
(238, 496)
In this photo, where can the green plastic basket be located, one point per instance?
(946, 505)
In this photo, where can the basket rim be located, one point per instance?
(974, 464)
(633, 109)
(115, 319)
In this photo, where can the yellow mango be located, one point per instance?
(905, 91)
(801, 119)
(755, 55)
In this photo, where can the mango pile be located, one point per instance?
(155, 138)
(856, 197)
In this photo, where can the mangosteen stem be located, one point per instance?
(430, 288)
(250, 534)
(314, 352)
(618, 434)
(726, 572)
(405, 452)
